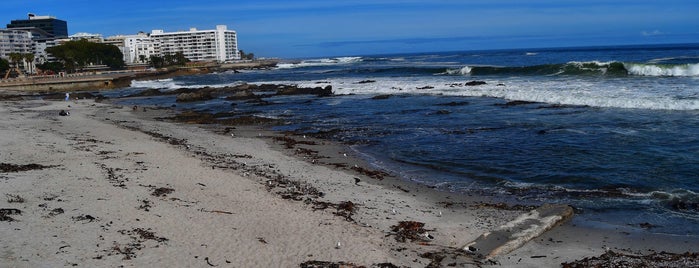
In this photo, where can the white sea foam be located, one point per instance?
(565, 92)
(319, 62)
(170, 84)
(466, 70)
(160, 83)
(663, 70)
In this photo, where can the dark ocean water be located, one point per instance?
(613, 131)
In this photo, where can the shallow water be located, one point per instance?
(612, 131)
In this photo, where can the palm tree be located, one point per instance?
(29, 59)
(15, 58)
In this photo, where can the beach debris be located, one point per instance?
(439, 214)
(519, 231)
(86, 217)
(356, 181)
(145, 205)
(338, 245)
(14, 198)
(647, 225)
(262, 240)
(216, 211)
(410, 230)
(63, 113)
(346, 209)
(327, 264)
(504, 206)
(656, 259)
(290, 142)
(54, 212)
(376, 174)
(4, 212)
(138, 238)
(162, 191)
(209, 262)
(129, 250)
(7, 167)
(141, 235)
(117, 180)
(401, 188)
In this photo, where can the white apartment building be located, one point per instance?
(138, 48)
(219, 45)
(15, 41)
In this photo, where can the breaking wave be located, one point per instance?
(319, 62)
(613, 68)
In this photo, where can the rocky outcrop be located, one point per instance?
(194, 96)
(294, 90)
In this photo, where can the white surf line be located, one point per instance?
(519, 231)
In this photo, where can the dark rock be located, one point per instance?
(366, 81)
(242, 95)
(617, 259)
(442, 112)
(294, 90)
(147, 93)
(514, 103)
(381, 97)
(475, 83)
(194, 96)
(454, 103)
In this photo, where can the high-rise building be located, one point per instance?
(53, 26)
(219, 45)
(15, 41)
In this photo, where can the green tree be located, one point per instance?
(76, 55)
(179, 59)
(142, 58)
(156, 61)
(249, 56)
(54, 67)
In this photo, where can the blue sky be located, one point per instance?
(316, 28)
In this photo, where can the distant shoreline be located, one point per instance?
(118, 79)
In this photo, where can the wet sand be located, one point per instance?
(113, 186)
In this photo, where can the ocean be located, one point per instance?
(612, 131)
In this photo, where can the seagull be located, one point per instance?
(338, 245)
(430, 237)
(394, 211)
(344, 155)
(440, 214)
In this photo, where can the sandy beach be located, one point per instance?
(109, 186)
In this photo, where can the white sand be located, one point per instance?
(107, 171)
